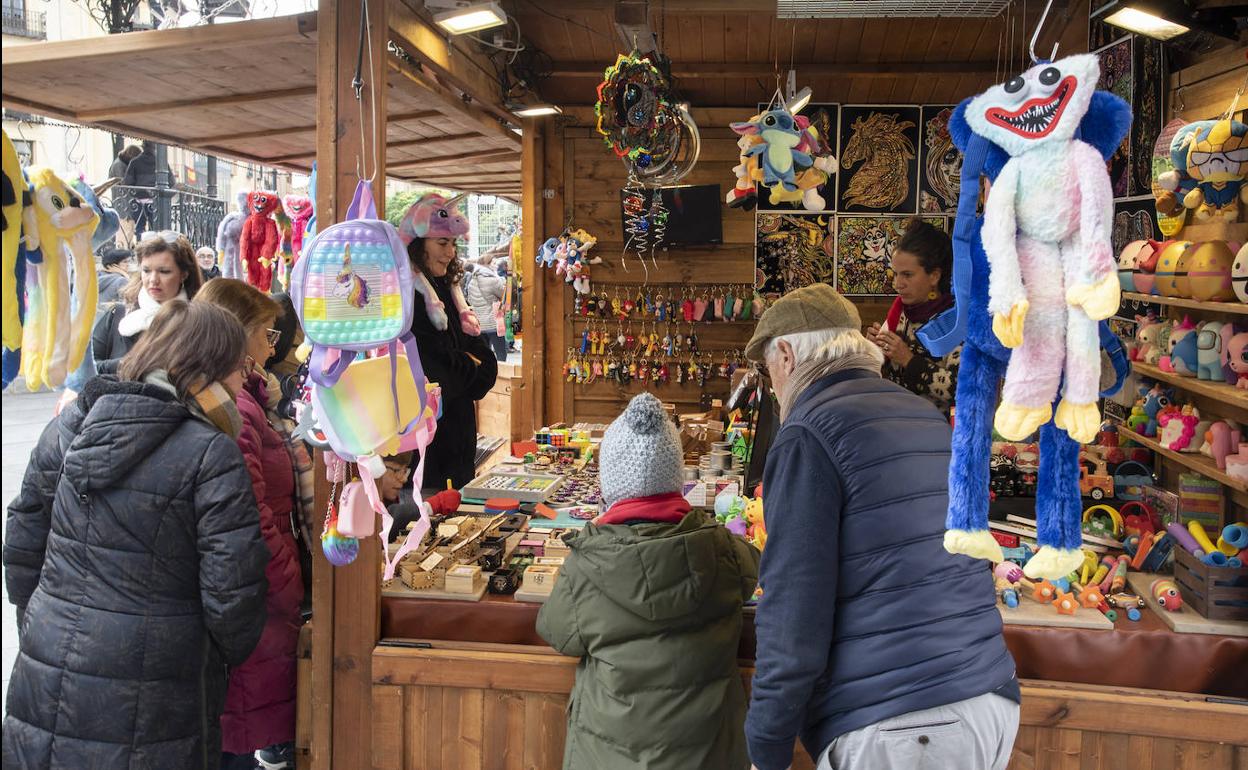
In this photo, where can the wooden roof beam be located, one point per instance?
(202, 39)
(225, 100)
(485, 122)
(563, 7)
(442, 160)
(266, 133)
(426, 142)
(805, 71)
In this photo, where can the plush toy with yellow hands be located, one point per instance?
(1046, 233)
(58, 330)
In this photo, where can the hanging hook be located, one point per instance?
(1036, 35)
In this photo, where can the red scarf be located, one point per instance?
(668, 508)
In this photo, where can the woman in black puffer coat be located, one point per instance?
(134, 556)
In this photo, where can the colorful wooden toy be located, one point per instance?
(1167, 594)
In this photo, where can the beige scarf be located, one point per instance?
(808, 372)
(213, 404)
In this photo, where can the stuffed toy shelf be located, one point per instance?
(1196, 462)
(1232, 307)
(1227, 394)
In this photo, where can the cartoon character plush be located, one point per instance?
(1217, 159)
(298, 210)
(1236, 357)
(1210, 341)
(1176, 183)
(1239, 273)
(229, 240)
(984, 358)
(11, 197)
(1178, 333)
(778, 154)
(809, 179)
(56, 335)
(433, 216)
(1145, 337)
(259, 239)
(1052, 271)
(1157, 401)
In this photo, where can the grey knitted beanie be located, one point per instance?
(641, 454)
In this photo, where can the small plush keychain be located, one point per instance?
(687, 308)
(699, 309)
(719, 308)
(730, 302)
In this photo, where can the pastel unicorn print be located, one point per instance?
(350, 285)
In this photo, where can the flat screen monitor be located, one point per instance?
(695, 214)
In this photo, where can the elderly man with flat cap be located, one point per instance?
(876, 647)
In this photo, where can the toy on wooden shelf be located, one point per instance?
(1178, 431)
(1150, 332)
(1007, 592)
(1235, 358)
(1177, 333)
(1103, 521)
(1127, 263)
(1221, 439)
(1157, 400)
(1211, 340)
(1131, 604)
(1173, 184)
(1146, 260)
(1166, 594)
(1239, 274)
(1172, 269)
(1217, 161)
(1209, 272)
(1237, 464)
(1235, 535)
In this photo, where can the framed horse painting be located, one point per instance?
(878, 150)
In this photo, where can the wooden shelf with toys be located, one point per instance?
(1227, 394)
(1230, 308)
(1193, 461)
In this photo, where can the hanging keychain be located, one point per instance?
(686, 307)
(730, 302)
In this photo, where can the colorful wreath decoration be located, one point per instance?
(641, 122)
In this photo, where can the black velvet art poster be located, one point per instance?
(1147, 110)
(824, 118)
(879, 159)
(1134, 220)
(940, 166)
(1116, 77)
(793, 250)
(864, 252)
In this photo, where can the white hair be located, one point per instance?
(827, 345)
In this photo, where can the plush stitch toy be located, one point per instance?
(778, 152)
(984, 359)
(808, 179)
(14, 190)
(1046, 233)
(55, 339)
(259, 240)
(1217, 158)
(229, 237)
(433, 216)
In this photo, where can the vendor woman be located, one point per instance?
(452, 350)
(922, 267)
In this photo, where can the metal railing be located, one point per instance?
(160, 208)
(22, 23)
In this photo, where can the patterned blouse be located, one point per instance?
(935, 379)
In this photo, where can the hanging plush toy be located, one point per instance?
(1047, 236)
(807, 178)
(1175, 183)
(259, 239)
(14, 189)
(55, 338)
(298, 209)
(984, 358)
(433, 216)
(229, 237)
(110, 222)
(1217, 159)
(777, 152)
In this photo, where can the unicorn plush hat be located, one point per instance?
(433, 216)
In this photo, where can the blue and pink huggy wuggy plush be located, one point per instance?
(1034, 276)
(433, 216)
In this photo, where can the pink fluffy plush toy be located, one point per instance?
(1047, 236)
(433, 216)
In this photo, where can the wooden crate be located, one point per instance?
(1218, 593)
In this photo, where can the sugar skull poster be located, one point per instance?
(824, 118)
(941, 163)
(864, 252)
(793, 250)
(1116, 77)
(879, 162)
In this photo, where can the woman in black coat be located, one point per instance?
(134, 556)
(452, 350)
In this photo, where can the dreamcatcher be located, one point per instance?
(655, 137)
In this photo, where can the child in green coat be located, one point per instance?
(650, 601)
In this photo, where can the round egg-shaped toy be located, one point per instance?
(1209, 271)
(1239, 274)
(1172, 270)
(1126, 264)
(1146, 266)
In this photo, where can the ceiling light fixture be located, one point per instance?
(1166, 19)
(460, 18)
(536, 110)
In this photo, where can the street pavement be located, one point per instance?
(22, 419)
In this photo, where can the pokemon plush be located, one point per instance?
(433, 216)
(1046, 233)
(984, 359)
(777, 152)
(13, 192)
(55, 339)
(1217, 159)
(259, 240)
(229, 237)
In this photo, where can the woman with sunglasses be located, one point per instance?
(135, 552)
(167, 270)
(260, 704)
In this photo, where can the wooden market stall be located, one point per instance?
(403, 684)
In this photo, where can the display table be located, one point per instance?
(1193, 663)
